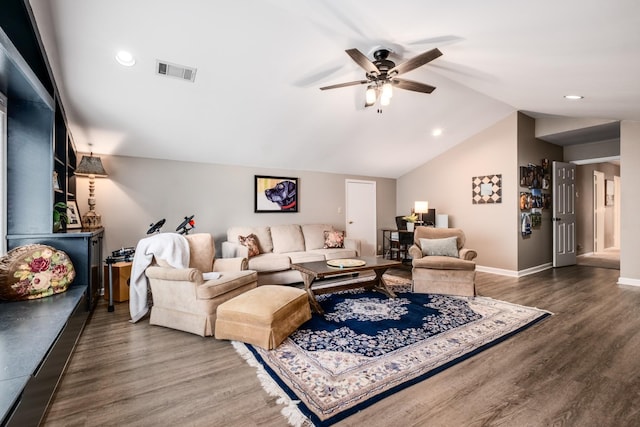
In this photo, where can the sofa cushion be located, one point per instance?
(262, 233)
(251, 242)
(34, 271)
(305, 257)
(287, 238)
(269, 262)
(440, 247)
(336, 253)
(227, 282)
(443, 263)
(333, 239)
(314, 235)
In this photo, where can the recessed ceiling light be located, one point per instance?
(574, 96)
(125, 58)
(437, 132)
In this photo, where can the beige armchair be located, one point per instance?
(184, 300)
(442, 266)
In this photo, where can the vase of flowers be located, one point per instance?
(411, 221)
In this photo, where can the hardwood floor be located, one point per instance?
(579, 367)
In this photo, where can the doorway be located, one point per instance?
(360, 214)
(598, 211)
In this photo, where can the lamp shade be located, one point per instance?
(91, 165)
(421, 207)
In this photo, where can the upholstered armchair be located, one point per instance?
(441, 263)
(187, 299)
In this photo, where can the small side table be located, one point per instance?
(118, 273)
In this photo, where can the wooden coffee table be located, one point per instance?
(311, 271)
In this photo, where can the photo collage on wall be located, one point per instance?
(537, 178)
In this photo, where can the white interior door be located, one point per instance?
(360, 214)
(598, 211)
(564, 214)
(616, 212)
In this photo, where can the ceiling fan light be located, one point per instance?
(370, 96)
(385, 100)
(387, 90)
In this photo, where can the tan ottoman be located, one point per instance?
(263, 316)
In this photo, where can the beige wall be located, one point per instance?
(630, 202)
(536, 249)
(446, 183)
(492, 229)
(141, 191)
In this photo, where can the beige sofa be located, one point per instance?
(282, 245)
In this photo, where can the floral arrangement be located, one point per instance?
(411, 218)
(42, 273)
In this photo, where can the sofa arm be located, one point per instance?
(230, 264)
(353, 244)
(174, 274)
(234, 250)
(468, 254)
(415, 252)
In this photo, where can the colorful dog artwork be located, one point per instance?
(275, 194)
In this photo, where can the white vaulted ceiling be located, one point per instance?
(256, 101)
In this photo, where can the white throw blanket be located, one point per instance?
(172, 248)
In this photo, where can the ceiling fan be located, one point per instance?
(382, 74)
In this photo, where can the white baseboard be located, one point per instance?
(513, 273)
(628, 281)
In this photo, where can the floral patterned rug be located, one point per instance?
(368, 346)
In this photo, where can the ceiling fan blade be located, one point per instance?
(361, 59)
(415, 62)
(358, 82)
(411, 85)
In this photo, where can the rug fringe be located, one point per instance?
(290, 411)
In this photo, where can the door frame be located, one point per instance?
(598, 211)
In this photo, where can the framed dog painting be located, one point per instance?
(276, 194)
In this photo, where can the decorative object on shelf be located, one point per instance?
(56, 181)
(34, 271)
(60, 217)
(73, 215)
(276, 194)
(187, 225)
(91, 167)
(486, 189)
(419, 208)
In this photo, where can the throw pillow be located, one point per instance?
(251, 242)
(34, 271)
(442, 247)
(333, 239)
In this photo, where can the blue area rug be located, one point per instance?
(368, 346)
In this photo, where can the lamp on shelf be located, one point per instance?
(421, 207)
(91, 167)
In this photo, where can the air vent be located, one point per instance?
(182, 72)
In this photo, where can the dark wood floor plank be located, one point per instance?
(579, 367)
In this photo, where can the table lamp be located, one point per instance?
(91, 167)
(421, 207)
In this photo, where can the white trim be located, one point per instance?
(596, 160)
(513, 273)
(628, 281)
